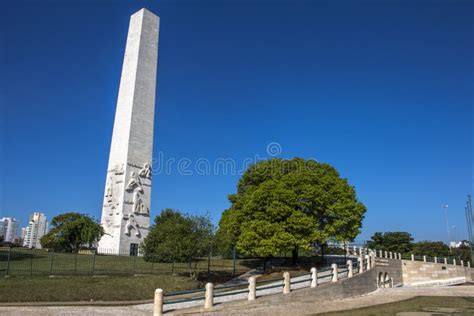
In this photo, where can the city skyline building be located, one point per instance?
(8, 228)
(37, 228)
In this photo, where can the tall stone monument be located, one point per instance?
(126, 207)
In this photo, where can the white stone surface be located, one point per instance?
(126, 207)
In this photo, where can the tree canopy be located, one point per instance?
(400, 242)
(71, 231)
(285, 205)
(463, 252)
(178, 237)
(431, 249)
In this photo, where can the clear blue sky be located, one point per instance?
(382, 90)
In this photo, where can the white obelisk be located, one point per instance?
(126, 208)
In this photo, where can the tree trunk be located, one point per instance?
(190, 270)
(294, 256)
(322, 253)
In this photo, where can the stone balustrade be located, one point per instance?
(367, 259)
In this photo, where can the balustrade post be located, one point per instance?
(361, 264)
(158, 303)
(334, 272)
(349, 269)
(252, 288)
(209, 296)
(286, 282)
(314, 277)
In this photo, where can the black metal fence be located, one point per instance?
(41, 262)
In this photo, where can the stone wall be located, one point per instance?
(359, 284)
(392, 267)
(418, 272)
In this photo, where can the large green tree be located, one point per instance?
(431, 249)
(177, 237)
(71, 231)
(399, 242)
(286, 205)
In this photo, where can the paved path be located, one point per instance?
(307, 305)
(302, 306)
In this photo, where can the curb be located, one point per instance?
(80, 303)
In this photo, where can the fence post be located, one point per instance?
(454, 262)
(424, 258)
(462, 263)
(209, 265)
(75, 263)
(435, 259)
(8, 262)
(412, 257)
(51, 263)
(172, 267)
(286, 282)
(209, 297)
(233, 261)
(445, 260)
(369, 264)
(158, 303)
(93, 262)
(31, 265)
(252, 288)
(134, 264)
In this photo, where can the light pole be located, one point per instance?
(445, 206)
(469, 220)
(454, 235)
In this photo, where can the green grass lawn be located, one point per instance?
(37, 262)
(438, 305)
(86, 288)
(116, 278)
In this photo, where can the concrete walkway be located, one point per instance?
(263, 306)
(307, 305)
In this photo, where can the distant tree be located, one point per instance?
(431, 249)
(286, 205)
(226, 236)
(71, 231)
(177, 237)
(463, 252)
(400, 242)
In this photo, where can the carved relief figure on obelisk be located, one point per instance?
(126, 208)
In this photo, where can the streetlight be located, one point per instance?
(445, 206)
(454, 235)
(469, 226)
